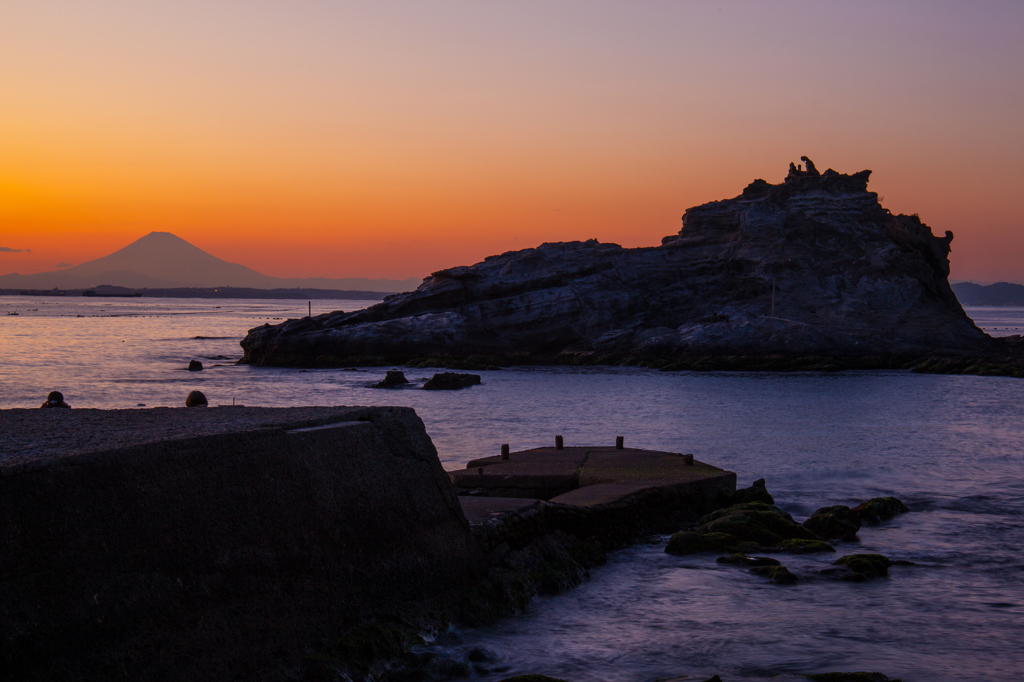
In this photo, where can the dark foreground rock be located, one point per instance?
(851, 677)
(225, 543)
(451, 381)
(811, 273)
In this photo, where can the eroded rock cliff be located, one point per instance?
(811, 266)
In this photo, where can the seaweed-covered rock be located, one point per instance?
(838, 521)
(879, 509)
(393, 379)
(859, 567)
(799, 546)
(689, 542)
(777, 574)
(851, 677)
(755, 522)
(451, 381)
(744, 560)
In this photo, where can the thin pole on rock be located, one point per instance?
(310, 308)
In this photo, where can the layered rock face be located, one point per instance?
(811, 266)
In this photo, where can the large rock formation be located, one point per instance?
(811, 266)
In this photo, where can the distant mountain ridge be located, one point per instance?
(161, 260)
(998, 294)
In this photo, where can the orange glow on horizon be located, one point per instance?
(334, 142)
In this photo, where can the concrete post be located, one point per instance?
(558, 442)
(620, 442)
(504, 451)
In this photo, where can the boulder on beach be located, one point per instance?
(835, 522)
(393, 379)
(54, 399)
(451, 381)
(879, 509)
(813, 268)
(196, 399)
(195, 366)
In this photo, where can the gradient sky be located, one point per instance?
(341, 140)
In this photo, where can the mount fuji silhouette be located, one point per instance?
(162, 260)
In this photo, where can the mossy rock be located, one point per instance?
(688, 542)
(744, 560)
(755, 522)
(851, 677)
(532, 678)
(879, 509)
(838, 521)
(797, 546)
(777, 574)
(867, 565)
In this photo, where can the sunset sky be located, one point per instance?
(394, 139)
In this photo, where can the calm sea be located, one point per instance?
(951, 447)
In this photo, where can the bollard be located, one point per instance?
(688, 459)
(504, 451)
(480, 471)
(620, 442)
(558, 442)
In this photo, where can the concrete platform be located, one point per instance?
(580, 476)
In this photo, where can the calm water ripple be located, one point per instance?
(952, 447)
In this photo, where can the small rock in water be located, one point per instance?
(744, 560)
(394, 379)
(55, 399)
(450, 381)
(796, 546)
(196, 399)
(859, 567)
(879, 509)
(838, 521)
(777, 574)
(195, 366)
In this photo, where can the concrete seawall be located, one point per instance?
(214, 543)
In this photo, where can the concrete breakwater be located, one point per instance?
(266, 544)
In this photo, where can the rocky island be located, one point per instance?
(810, 273)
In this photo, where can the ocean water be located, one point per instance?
(951, 447)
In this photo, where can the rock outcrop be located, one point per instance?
(812, 266)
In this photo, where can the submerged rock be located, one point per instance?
(777, 574)
(859, 567)
(798, 546)
(812, 268)
(744, 560)
(879, 509)
(195, 366)
(851, 677)
(393, 379)
(837, 521)
(451, 381)
(688, 542)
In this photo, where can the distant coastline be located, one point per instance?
(206, 292)
(998, 294)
